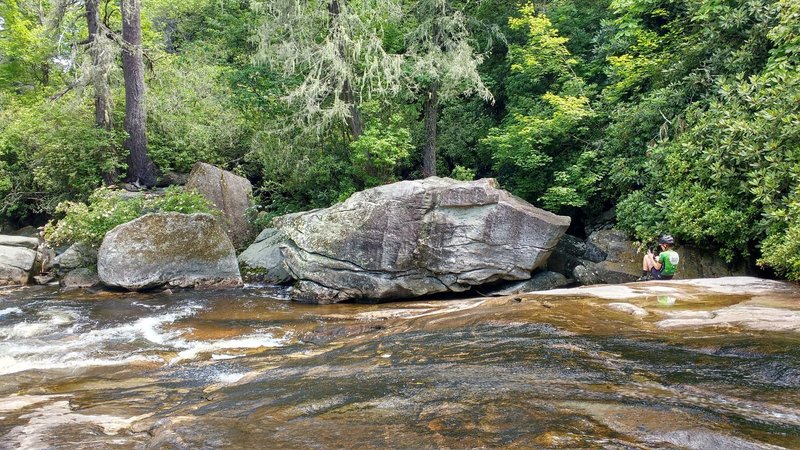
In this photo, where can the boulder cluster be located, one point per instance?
(398, 241)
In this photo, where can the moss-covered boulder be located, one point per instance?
(168, 249)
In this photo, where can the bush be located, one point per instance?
(89, 223)
(51, 151)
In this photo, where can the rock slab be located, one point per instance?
(415, 238)
(168, 249)
(230, 194)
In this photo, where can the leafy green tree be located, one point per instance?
(548, 112)
(721, 168)
(442, 64)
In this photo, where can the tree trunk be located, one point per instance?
(354, 121)
(431, 115)
(102, 92)
(140, 167)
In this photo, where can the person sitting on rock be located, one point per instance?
(662, 266)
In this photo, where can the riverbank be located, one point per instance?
(694, 363)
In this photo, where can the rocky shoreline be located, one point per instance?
(398, 241)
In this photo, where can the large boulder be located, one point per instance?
(168, 249)
(263, 261)
(229, 193)
(415, 238)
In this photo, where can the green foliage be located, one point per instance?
(462, 173)
(781, 248)
(25, 47)
(378, 151)
(192, 117)
(88, 223)
(50, 152)
(550, 112)
(722, 170)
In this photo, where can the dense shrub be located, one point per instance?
(106, 208)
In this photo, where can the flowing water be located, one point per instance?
(703, 364)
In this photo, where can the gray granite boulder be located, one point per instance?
(415, 238)
(262, 261)
(16, 264)
(229, 193)
(19, 241)
(75, 256)
(168, 249)
(82, 277)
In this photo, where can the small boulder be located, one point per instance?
(75, 256)
(629, 308)
(572, 252)
(263, 261)
(16, 264)
(230, 194)
(18, 258)
(82, 277)
(168, 249)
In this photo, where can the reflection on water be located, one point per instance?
(713, 368)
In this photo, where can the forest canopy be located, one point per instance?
(680, 116)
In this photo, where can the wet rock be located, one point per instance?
(541, 281)
(82, 277)
(77, 255)
(416, 238)
(629, 308)
(572, 252)
(623, 262)
(168, 249)
(230, 194)
(749, 316)
(263, 261)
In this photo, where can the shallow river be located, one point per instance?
(705, 364)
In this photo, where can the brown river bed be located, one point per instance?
(699, 364)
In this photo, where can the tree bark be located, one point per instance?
(431, 116)
(354, 119)
(346, 95)
(102, 92)
(140, 167)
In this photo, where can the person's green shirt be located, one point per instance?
(669, 262)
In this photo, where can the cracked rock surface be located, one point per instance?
(415, 238)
